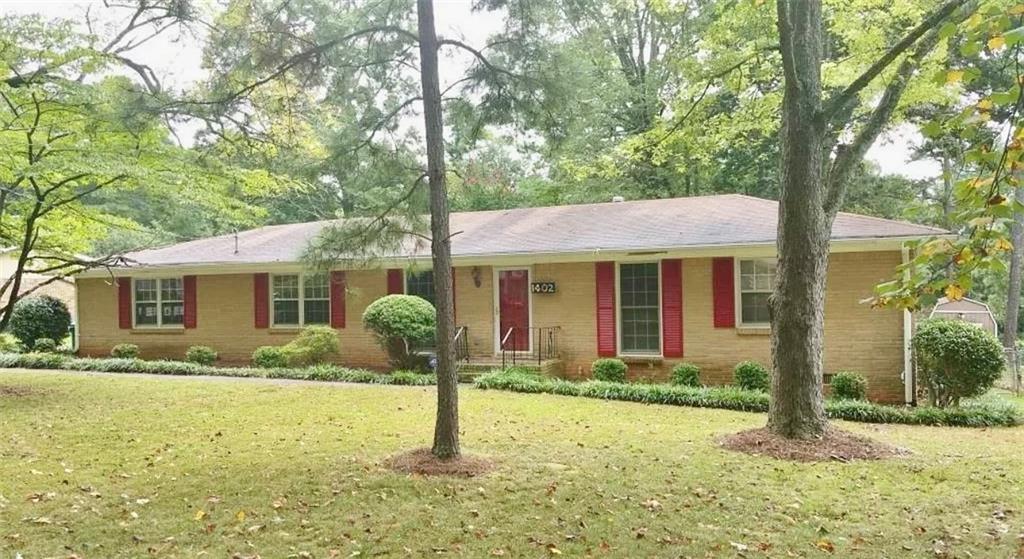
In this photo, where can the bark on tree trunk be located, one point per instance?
(446, 428)
(797, 316)
(1013, 289)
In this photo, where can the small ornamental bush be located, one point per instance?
(45, 345)
(269, 357)
(956, 360)
(39, 317)
(201, 354)
(751, 375)
(313, 346)
(686, 374)
(125, 351)
(10, 344)
(847, 385)
(399, 322)
(609, 369)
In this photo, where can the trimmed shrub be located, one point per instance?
(125, 351)
(751, 375)
(972, 414)
(847, 385)
(313, 346)
(201, 354)
(269, 357)
(39, 317)
(399, 322)
(609, 369)
(45, 345)
(686, 374)
(956, 360)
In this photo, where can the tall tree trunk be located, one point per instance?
(1013, 289)
(797, 304)
(446, 428)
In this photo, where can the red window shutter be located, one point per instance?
(605, 276)
(261, 300)
(337, 299)
(396, 281)
(723, 292)
(124, 303)
(672, 307)
(190, 301)
(455, 309)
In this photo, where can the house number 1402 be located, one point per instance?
(543, 287)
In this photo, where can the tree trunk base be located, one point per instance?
(834, 444)
(421, 461)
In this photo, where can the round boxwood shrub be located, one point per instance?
(201, 354)
(956, 360)
(847, 385)
(313, 346)
(125, 351)
(399, 322)
(751, 375)
(45, 345)
(39, 316)
(609, 369)
(269, 357)
(686, 374)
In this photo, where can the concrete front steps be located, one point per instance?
(480, 365)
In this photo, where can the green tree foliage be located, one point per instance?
(400, 322)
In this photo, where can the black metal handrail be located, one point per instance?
(461, 342)
(543, 344)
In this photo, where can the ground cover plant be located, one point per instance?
(119, 466)
(983, 413)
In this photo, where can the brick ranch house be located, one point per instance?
(653, 282)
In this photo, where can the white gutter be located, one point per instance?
(908, 332)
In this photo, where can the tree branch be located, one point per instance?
(837, 103)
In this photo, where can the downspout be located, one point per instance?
(74, 317)
(909, 381)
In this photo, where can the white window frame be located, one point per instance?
(159, 304)
(618, 313)
(301, 300)
(738, 293)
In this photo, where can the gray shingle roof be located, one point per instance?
(722, 220)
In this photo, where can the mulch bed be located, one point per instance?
(422, 462)
(836, 444)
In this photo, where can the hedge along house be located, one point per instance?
(653, 282)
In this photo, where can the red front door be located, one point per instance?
(514, 309)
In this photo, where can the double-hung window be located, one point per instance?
(757, 278)
(639, 308)
(158, 302)
(420, 284)
(299, 299)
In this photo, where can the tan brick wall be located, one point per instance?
(857, 337)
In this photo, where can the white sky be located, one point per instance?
(177, 64)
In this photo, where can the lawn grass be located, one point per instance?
(124, 466)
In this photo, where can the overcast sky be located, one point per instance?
(177, 63)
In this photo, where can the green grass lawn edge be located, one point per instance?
(971, 414)
(331, 373)
(984, 413)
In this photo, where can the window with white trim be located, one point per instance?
(158, 301)
(299, 299)
(640, 308)
(420, 284)
(757, 278)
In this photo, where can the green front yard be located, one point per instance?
(118, 466)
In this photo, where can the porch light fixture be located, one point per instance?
(476, 275)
